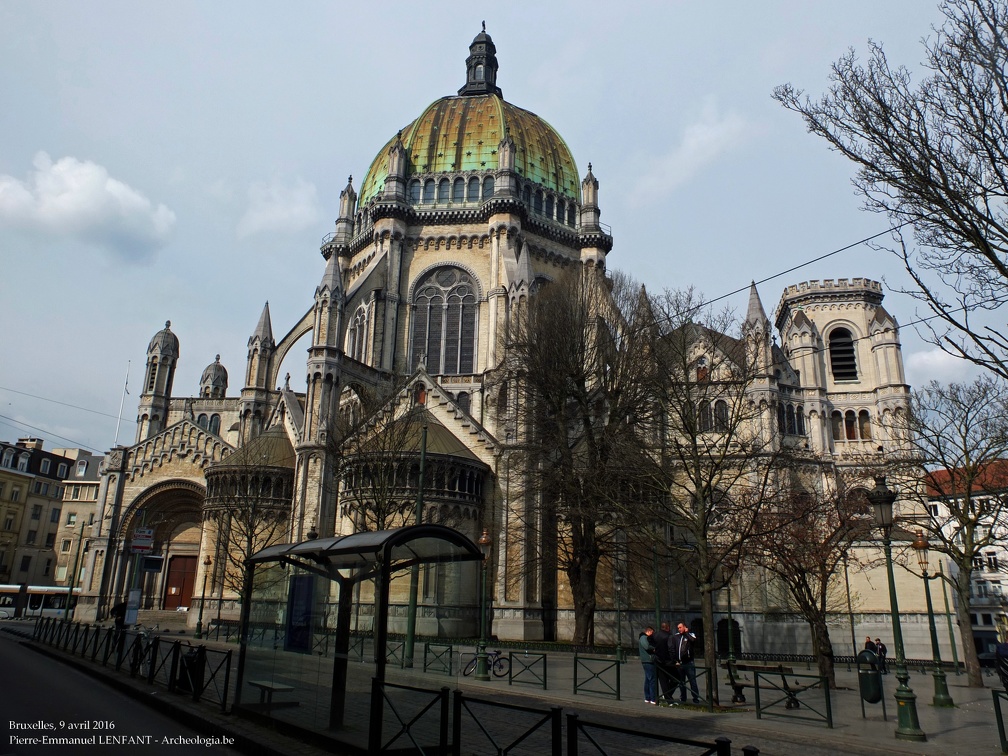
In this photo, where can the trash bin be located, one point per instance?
(869, 677)
(190, 672)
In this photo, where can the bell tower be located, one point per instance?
(162, 356)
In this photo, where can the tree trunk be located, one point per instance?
(709, 644)
(582, 580)
(824, 650)
(969, 653)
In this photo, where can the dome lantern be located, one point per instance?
(481, 67)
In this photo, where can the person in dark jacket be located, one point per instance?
(645, 648)
(681, 651)
(663, 661)
(882, 651)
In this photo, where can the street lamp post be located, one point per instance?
(73, 577)
(199, 620)
(908, 726)
(941, 694)
(482, 670)
(619, 581)
(420, 397)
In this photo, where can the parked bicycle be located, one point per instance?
(497, 663)
(144, 658)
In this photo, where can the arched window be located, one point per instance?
(215, 424)
(23, 463)
(721, 416)
(537, 202)
(800, 420)
(428, 191)
(781, 418)
(850, 425)
(474, 189)
(479, 73)
(790, 418)
(527, 196)
(864, 425)
(414, 192)
(561, 212)
(549, 206)
(444, 322)
(203, 421)
(8, 458)
(463, 400)
(443, 190)
(571, 215)
(357, 334)
(841, 350)
(704, 417)
(502, 400)
(488, 187)
(458, 190)
(836, 425)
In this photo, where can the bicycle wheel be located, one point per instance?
(470, 667)
(501, 666)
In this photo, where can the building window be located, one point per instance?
(25, 563)
(537, 202)
(61, 572)
(721, 416)
(23, 463)
(203, 421)
(549, 206)
(992, 562)
(37, 486)
(71, 518)
(214, 428)
(414, 191)
(473, 193)
(1, 490)
(488, 187)
(50, 539)
(841, 351)
(61, 471)
(444, 187)
(65, 546)
(48, 566)
(30, 538)
(9, 522)
(81, 468)
(76, 492)
(357, 334)
(463, 400)
(444, 322)
(458, 190)
(428, 192)
(8, 458)
(36, 512)
(864, 425)
(479, 73)
(15, 494)
(44, 467)
(151, 375)
(54, 514)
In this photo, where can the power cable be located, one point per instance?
(88, 447)
(64, 404)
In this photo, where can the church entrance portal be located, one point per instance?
(180, 581)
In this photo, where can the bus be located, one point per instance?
(34, 601)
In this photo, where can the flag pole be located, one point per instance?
(121, 405)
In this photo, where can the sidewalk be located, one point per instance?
(969, 728)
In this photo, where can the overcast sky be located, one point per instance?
(182, 161)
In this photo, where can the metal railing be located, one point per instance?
(592, 675)
(528, 669)
(408, 727)
(437, 657)
(579, 729)
(463, 705)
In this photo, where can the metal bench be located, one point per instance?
(266, 690)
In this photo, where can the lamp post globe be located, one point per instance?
(907, 724)
(941, 691)
(199, 620)
(482, 669)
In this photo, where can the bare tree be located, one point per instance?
(804, 542)
(934, 156)
(713, 455)
(578, 359)
(954, 466)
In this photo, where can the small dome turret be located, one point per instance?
(214, 381)
(165, 343)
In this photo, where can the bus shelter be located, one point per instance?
(348, 560)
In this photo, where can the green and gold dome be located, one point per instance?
(461, 134)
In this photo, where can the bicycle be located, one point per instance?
(144, 650)
(497, 663)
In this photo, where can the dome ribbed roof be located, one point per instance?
(271, 448)
(164, 342)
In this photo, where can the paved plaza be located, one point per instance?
(969, 728)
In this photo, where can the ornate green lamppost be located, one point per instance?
(941, 694)
(199, 620)
(907, 724)
(482, 670)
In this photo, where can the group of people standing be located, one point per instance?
(668, 663)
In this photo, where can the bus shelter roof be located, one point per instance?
(361, 554)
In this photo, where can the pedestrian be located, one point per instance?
(682, 655)
(882, 651)
(646, 650)
(663, 661)
(118, 614)
(869, 645)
